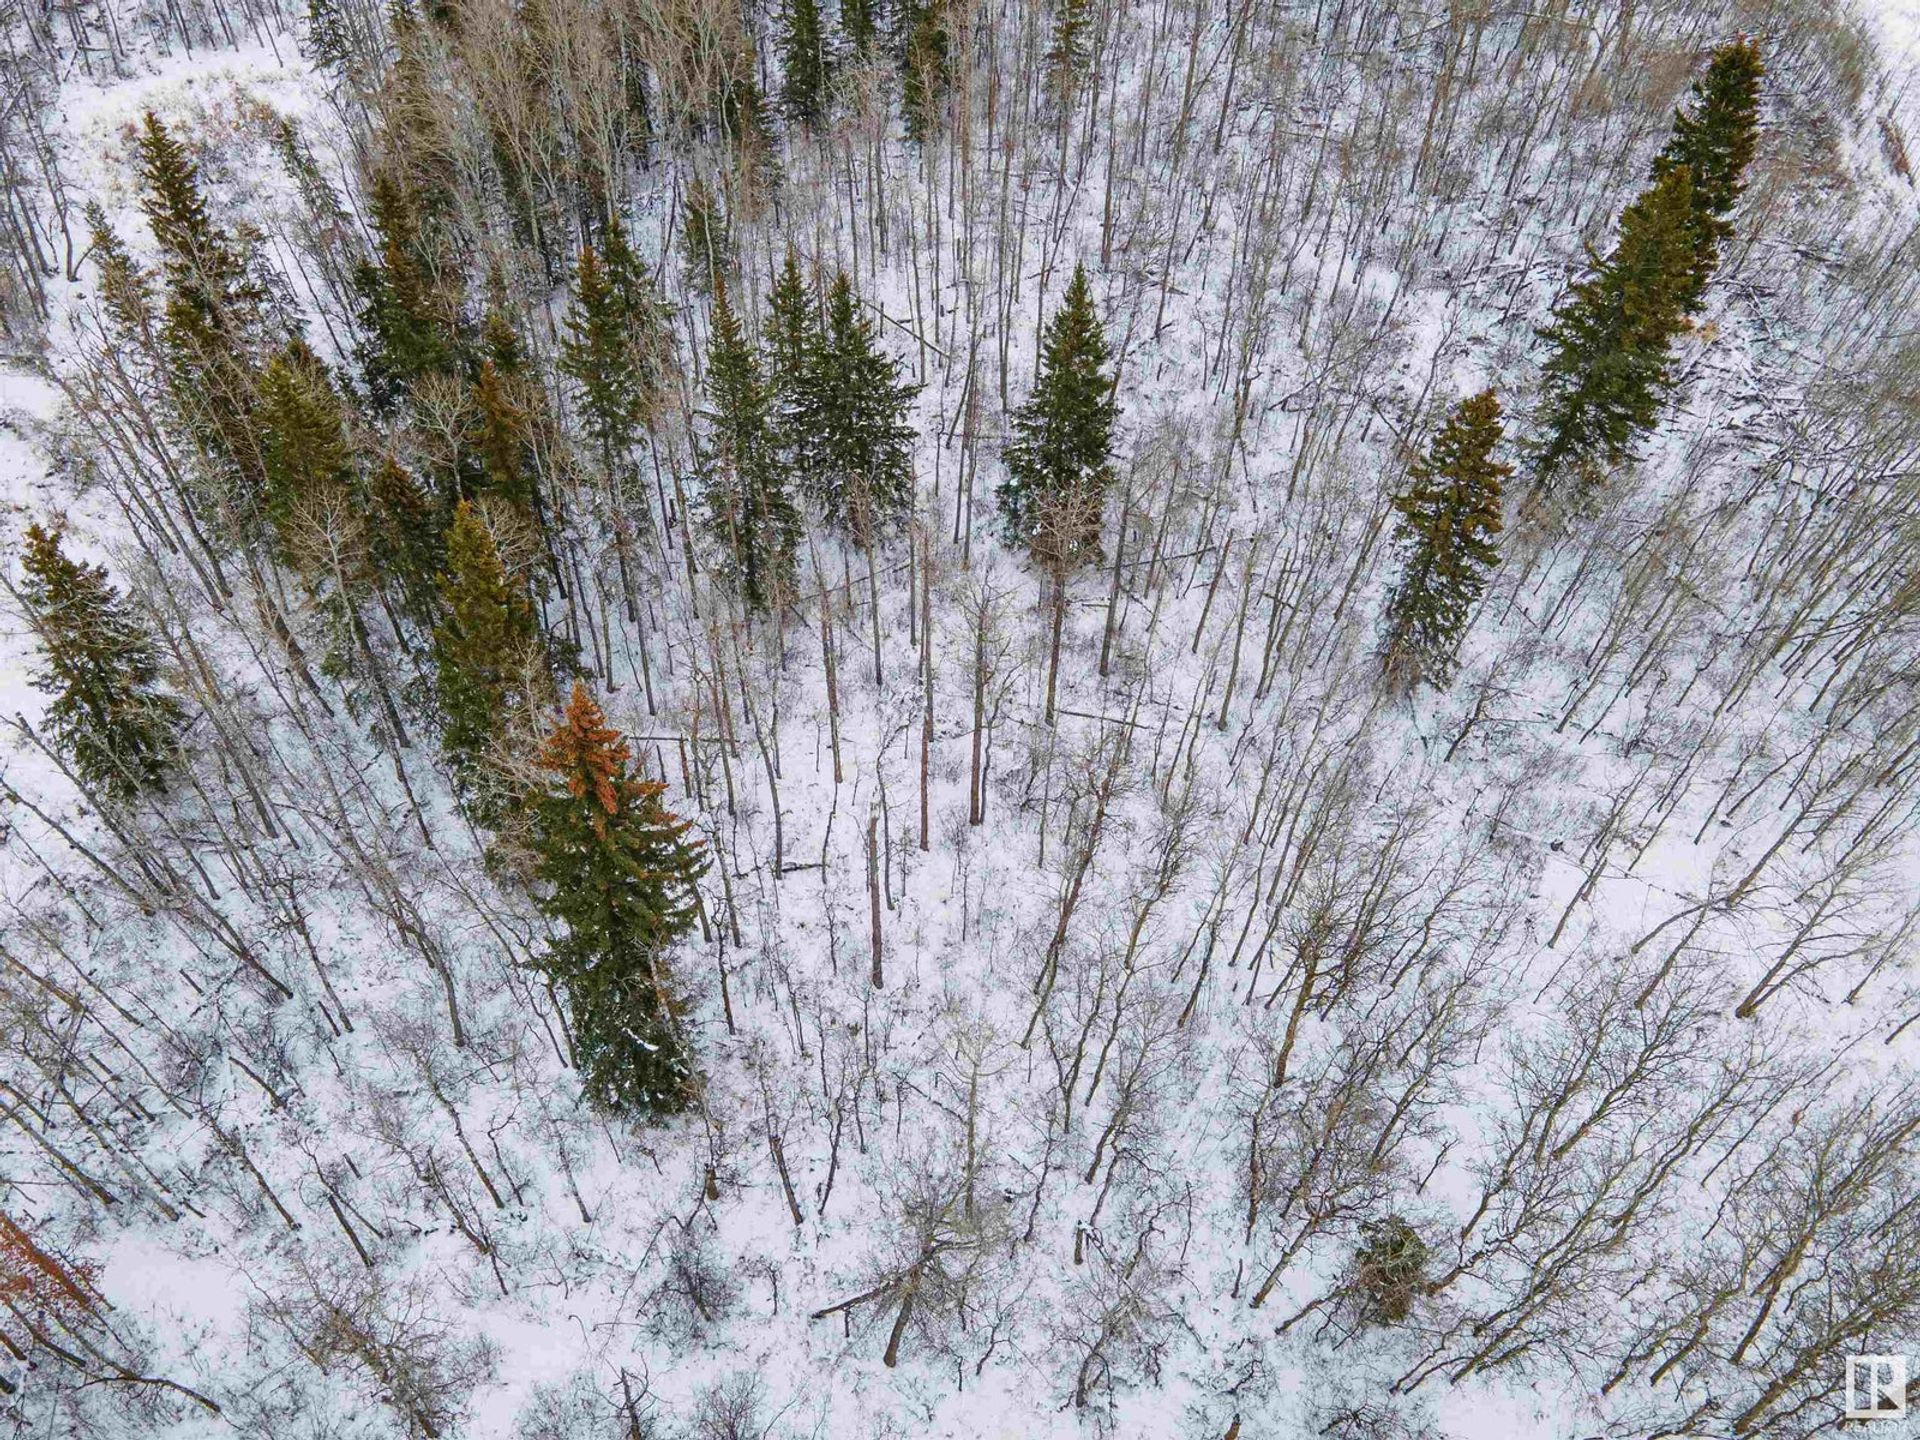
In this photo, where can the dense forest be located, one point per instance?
(729, 719)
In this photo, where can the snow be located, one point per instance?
(964, 941)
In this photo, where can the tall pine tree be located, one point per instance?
(410, 322)
(101, 665)
(1058, 463)
(1714, 139)
(862, 458)
(1612, 336)
(805, 62)
(1449, 516)
(505, 448)
(795, 345)
(858, 27)
(303, 436)
(405, 539)
(925, 63)
(486, 653)
(1071, 45)
(618, 873)
(705, 236)
(614, 348)
(215, 317)
(749, 510)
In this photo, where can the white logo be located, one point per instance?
(1876, 1387)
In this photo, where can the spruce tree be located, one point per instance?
(1714, 139)
(925, 64)
(215, 321)
(505, 448)
(410, 324)
(405, 539)
(1449, 516)
(794, 336)
(213, 303)
(125, 288)
(858, 27)
(1071, 45)
(486, 653)
(863, 464)
(1058, 465)
(612, 347)
(795, 342)
(618, 873)
(101, 666)
(749, 510)
(303, 437)
(1611, 338)
(806, 66)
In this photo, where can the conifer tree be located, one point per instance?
(749, 510)
(794, 336)
(1070, 48)
(124, 287)
(1611, 338)
(405, 540)
(613, 347)
(1714, 139)
(101, 665)
(505, 449)
(213, 302)
(486, 651)
(858, 26)
(863, 457)
(925, 64)
(214, 316)
(1449, 516)
(618, 873)
(805, 62)
(410, 324)
(795, 343)
(329, 36)
(303, 435)
(1058, 461)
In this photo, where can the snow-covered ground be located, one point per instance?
(1494, 858)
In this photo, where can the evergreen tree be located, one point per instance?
(505, 449)
(213, 302)
(1714, 139)
(409, 323)
(1058, 461)
(925, 63)
(1071, 46)
(795, 345)
(749, 510)
(486, 652)
(405, 540)
(124, 287)
(1611, 338)
(615, 338)
(794, 336)
(303, 436)
(858, 26)
(328, 45)
(214, 318)
(619, 875)
(1449, 516)
(806, 66)
(101, 666)
(863, 442)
